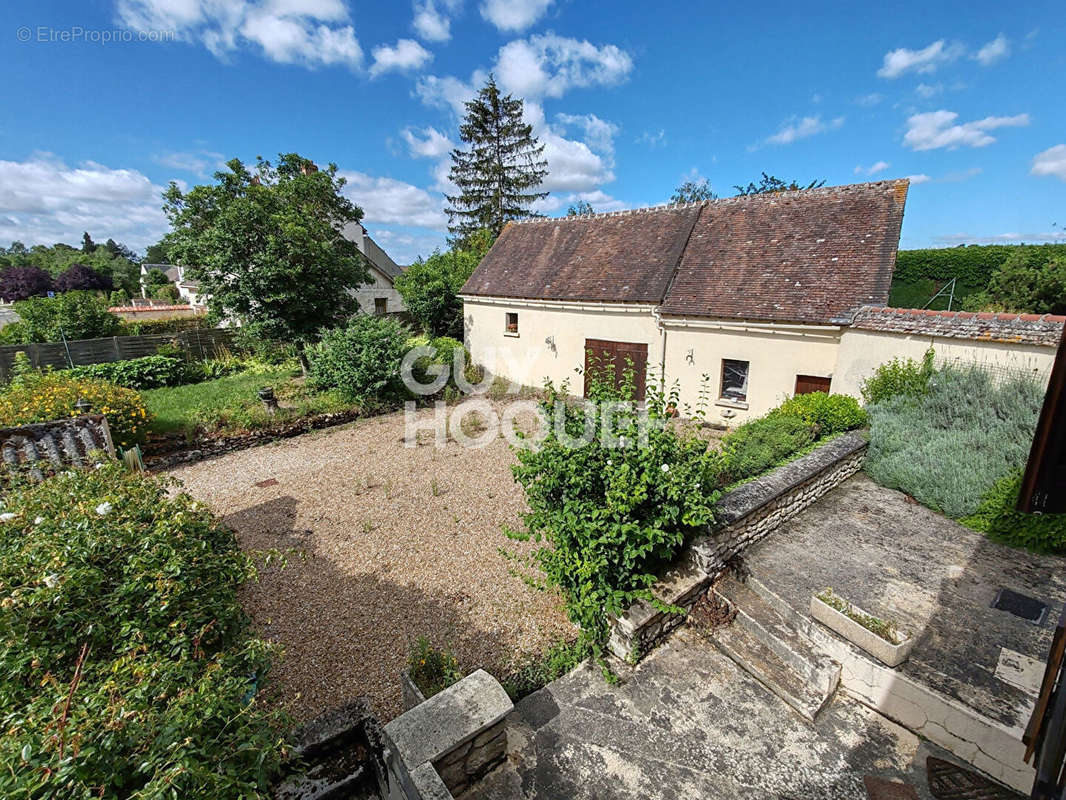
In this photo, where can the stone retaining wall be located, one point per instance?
(449, 741)
(743, 517)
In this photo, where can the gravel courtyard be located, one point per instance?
(398, 542)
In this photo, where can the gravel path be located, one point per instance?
(399, 542)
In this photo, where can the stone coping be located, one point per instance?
(750, 497)
(448, 719)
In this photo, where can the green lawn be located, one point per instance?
(231, 403)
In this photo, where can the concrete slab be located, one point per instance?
(903, 562)
(687, 722)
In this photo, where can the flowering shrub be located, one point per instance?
(432, 670)
(614, 509)
(34, 396)
(126, 668)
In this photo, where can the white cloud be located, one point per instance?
(199, 162)
(916, 179)
(653, 139)
(794, 129)
(1051, 162)
(599, 133)
(873, 169)
(900, 61)
(387, 200)
(42, 201)
(996, 50)
(407, 54)
(513, 15)
(572, 165)
(936, 129)
(449, 92)
(431, 21)
(427, 143)
(929, 90)
(548, 65)
(869, 100)
(310, 33)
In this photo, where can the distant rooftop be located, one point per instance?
(1038, 329)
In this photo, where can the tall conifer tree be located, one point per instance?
(499, 174)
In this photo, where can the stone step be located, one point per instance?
(768, 646)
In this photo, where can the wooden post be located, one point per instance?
(1044, 484)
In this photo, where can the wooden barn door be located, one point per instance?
(805, 384)
(599, 352)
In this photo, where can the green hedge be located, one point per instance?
(970, 264)
(149, 372)
(126, 665)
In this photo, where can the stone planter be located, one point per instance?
(412, 695)
(883, 650)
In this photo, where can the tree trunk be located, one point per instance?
(301, 353)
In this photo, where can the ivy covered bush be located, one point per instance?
(1000, 519)
(35, 396)
(362, 359)
(126, 666)
(609, 516)
(829, 413)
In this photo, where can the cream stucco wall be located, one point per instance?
(551, 344)
(551, 336)
(776, 354)
(861, 352)
(380, 286)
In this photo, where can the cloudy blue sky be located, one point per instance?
(108, 100)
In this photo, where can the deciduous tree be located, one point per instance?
(267, 247)
(692, 191)
(21, 283)
(768, 184)
(430, 288)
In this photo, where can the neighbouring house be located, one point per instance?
(742, 301)
(188, 289)
(380, 295)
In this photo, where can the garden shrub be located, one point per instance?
(538, 671)
(149, 372)
(362, 359)
(446, 347)
(74, 315)
(756, 446)
(948, 447)
(34, 396)
(905, 377)
(610, 516)
(126, 666)
(998, 516)
(831, 413)
(432, 670)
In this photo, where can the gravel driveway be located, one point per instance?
(399, 542)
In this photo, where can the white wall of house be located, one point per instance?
(550, 341)
(379, 288)
(861, 352)
(774, 352)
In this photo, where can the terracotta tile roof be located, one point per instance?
(621, 257)
(1038, 329)
(809, 256)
